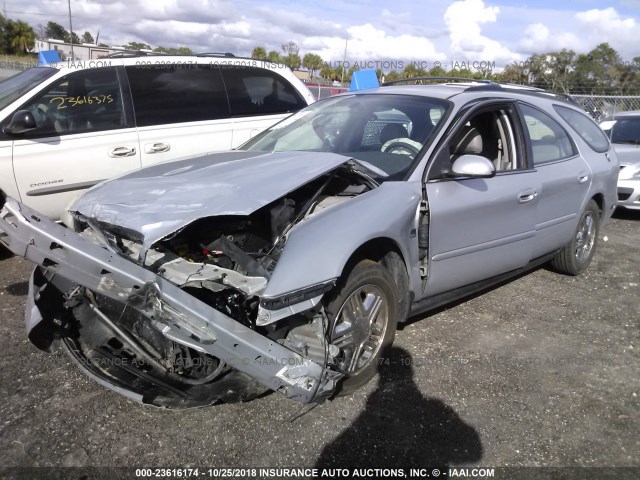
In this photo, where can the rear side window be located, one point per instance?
(166, 94)
(585, 127)
(255, 91)
(84, 101)
(549, 141)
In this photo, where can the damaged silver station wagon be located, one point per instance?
(287, 264)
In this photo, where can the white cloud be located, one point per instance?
(592, 27)
(365, 42)
(539, 39)
(464, 18)
(608, 26)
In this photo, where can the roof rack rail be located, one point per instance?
(438, 79)
(131, 54)
(216, 54)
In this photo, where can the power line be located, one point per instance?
(50, 14)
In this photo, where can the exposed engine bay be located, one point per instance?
(155, 349)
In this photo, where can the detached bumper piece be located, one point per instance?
(81, 287)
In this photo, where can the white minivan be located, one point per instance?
(65, 127)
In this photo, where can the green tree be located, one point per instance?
(137, 46)
(412, 71)
(514, 73)
(392, 76)
(437, 71)
(87, 38)
(174, 51)
(274, 57)
(313, 63)
(72, 38)
(291, 58)
(326, 71)
(21, 36)
(259, 53)
(56, 31)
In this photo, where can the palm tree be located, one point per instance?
(312, 62)
(21, 36)
(259, 53)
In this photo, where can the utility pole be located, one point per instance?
(71, 32)
(344, 59)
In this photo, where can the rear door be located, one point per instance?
(85, 134)
(480, 227)
(181, 110)
(564, 175)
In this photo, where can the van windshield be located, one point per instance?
(14, 87)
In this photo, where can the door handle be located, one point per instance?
(156, 147)
(527, 195)
(583, 178)
(122, 152)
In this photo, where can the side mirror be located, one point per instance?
(22, 121)
(473, 166)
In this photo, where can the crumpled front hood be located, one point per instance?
(158, 200)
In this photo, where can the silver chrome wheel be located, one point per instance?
(585, 237)
(359, 328)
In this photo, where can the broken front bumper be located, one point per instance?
(74, 260)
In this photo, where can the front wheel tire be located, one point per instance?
(576, 256)
(362, 322)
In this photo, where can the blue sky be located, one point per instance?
(444, 31)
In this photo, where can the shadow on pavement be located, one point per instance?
(401, 428)
(5, 253)
(19, 289)
(626, 214)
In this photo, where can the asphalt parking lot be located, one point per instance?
(542, 371)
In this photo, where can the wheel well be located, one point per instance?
(387, 252)
(599, 199)
(3, 198)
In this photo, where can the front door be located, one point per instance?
(83, 137)
(481, 227)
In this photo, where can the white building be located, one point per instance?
(81, 51)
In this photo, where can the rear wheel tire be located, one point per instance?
(362, 322)
(576, 256)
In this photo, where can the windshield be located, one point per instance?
(387, 131)
(14, 87)
(622, 129)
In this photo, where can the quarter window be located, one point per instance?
(167, 94)
(549, 141)
(84, 101)
(255, 91)
(585, 127)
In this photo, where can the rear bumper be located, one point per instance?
(74, 260)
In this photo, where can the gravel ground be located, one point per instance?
(542, 371)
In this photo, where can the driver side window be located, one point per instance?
(488, 134)
(84, 101)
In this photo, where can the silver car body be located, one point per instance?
(628, 151)
(439, 238)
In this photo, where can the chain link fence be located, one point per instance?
(324, 91)
(600, 106)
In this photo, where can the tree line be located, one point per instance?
(599, 72)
